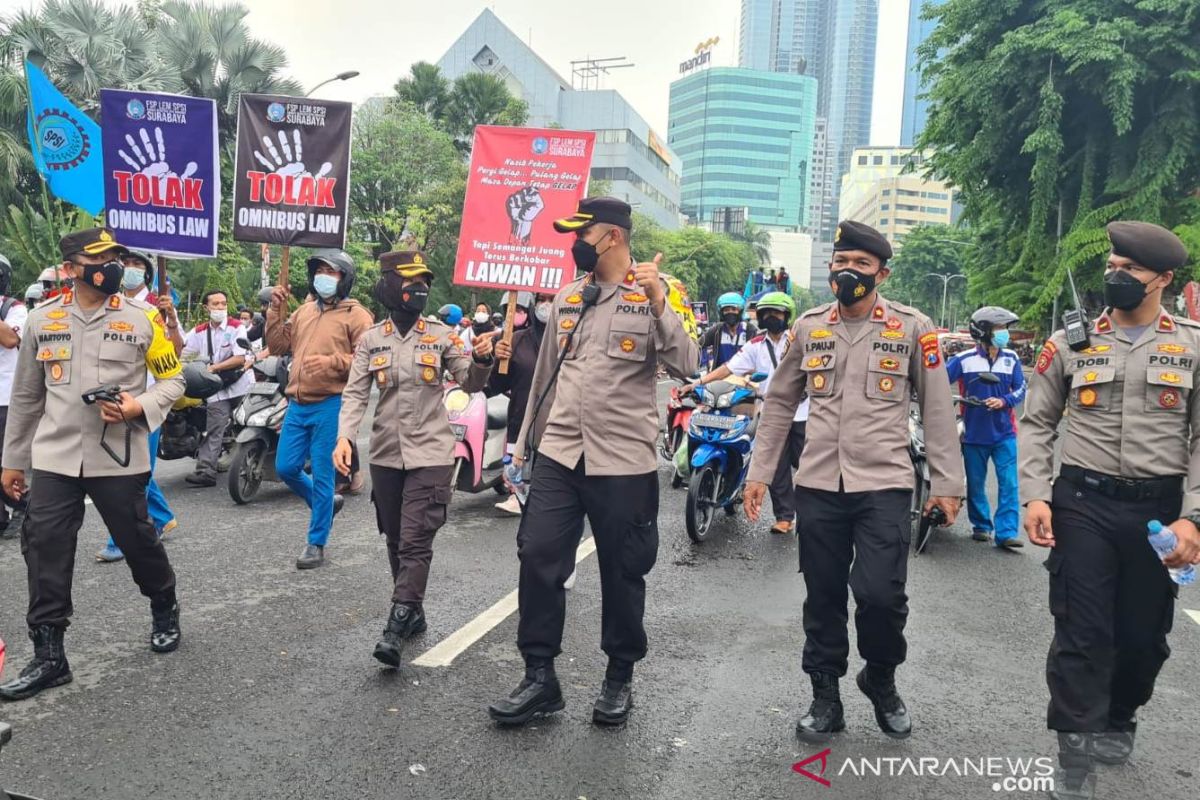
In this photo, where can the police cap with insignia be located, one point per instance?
(597, 209)
(406, 263)
(1148, 245)
(92, 242)
(851, 235)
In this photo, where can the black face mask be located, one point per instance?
(1122, 291)
(850, 286)
(773, 325)
(405, 301)
(731, 319)
(105, 278)
(585, 254)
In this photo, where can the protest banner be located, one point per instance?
(292, 171)
(162, 182)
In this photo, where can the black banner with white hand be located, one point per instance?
(292, 171)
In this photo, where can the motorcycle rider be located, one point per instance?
(763, 354)
(990, 430)
(321, 336)
(217, 340)
(412, 446)
(722, 341)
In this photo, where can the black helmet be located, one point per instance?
(339, 260)
(265, 295)
(198, 382)
(988, 318)
(5, 276)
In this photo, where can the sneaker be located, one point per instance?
(201, 479)
(311, 557)
(511, 505)
(165, 633)
(1009, 544)
(110, 553)
(979, 535)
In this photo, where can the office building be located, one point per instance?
(792, 251)
(881, 190)
(641, 169)
(745, 139)
(916, 108)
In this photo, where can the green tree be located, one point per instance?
(479, 99)
(759, 240)
(426, 89)
(707, 263)
(29, 235)
(930, 251)
(1065, 114)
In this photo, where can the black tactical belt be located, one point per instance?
(1123, 488)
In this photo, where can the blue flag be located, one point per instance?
(65, 143)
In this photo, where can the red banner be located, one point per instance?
(522, 179)
(1191, 295)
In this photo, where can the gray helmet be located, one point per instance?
(198, 382)
(146, 259)
(339, 260)
(524, 300)
(987, 319)
(265, 295)
(35, 293)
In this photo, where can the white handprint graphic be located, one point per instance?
(291, 164)
(152, 162)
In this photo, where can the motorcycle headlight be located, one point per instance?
(724, 401)
(456, 403)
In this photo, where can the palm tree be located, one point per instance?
(426, 89)
(209, 51)
(479, 99)
(759, 240)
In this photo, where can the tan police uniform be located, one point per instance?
(594, 429)
(1129, 455)
(856, 476)
(412, 445)
(67, 351)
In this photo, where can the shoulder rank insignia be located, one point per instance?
(1046, 357)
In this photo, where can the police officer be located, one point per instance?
(1129, 455)
(859, 359)
(412, 446)
(593, 422)
(88, 336)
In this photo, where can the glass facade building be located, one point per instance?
(745, 139)
(916, 109)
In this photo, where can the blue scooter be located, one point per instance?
(719, 446)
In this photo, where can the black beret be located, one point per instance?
(1149, 245)
(91, 241)
(597, 209)
(851, 235)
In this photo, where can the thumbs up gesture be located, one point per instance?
(647, 277)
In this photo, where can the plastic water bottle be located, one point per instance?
(516, 479)
(1162, 539)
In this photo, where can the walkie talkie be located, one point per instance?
(1075, 322)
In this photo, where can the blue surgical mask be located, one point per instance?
(325, 285)
(133, 277)
(1000, 338)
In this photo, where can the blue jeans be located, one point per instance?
(310, 433)
(160, 512)
(1008, 504)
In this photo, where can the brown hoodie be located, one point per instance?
(321, 340)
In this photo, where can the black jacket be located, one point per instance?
(526, 344)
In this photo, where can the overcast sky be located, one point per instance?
(381, 38)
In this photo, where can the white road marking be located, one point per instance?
(444, 652)
(1195, 615)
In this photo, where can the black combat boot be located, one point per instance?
(1074, 779)
(49, 667)
(878, 683)
(537, 693)
(824, 717)
(616, 695)
(403, 622)
(165, 634)
(1115, 745)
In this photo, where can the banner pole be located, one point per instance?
(510, 314)
(162, 279)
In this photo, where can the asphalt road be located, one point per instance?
(274, 693)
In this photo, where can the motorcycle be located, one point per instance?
(680, 407)
(923, 524)
(257, 423)
(719, 444)
(5, 738)
(478, 424)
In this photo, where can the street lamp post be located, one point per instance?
(341, 76)
(945, 290)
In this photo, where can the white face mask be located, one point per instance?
(481, 317)
(218, 316)
(542, 312)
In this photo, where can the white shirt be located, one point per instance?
(755, 356)
(8, 355)
(224, 339)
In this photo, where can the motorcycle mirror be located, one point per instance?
(989, 377)
(758, 377)
(243, 343)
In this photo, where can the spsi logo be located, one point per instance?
(276, 112)
(540, 145)
(135, 109)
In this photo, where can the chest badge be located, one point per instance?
(890, 334)
(889, 364)
(1169, 398)
(627, 345)
(381, 378)
(820, 333)
(1087, 397)
(1170, 377)
(54, 327)
(574, 299)
(567, 324)
(893, 324)
(429, 374)
(430, 339)
(818, 382)
(634, 297)
(814, 362)
(378, 361)
(45, 354)
(886, 384)
(1168, 348)
(57, 313)
(123, 327)
(428, 358)
(56, 371)
(1090, 377)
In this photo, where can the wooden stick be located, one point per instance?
(162, 277)
(510, 314)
